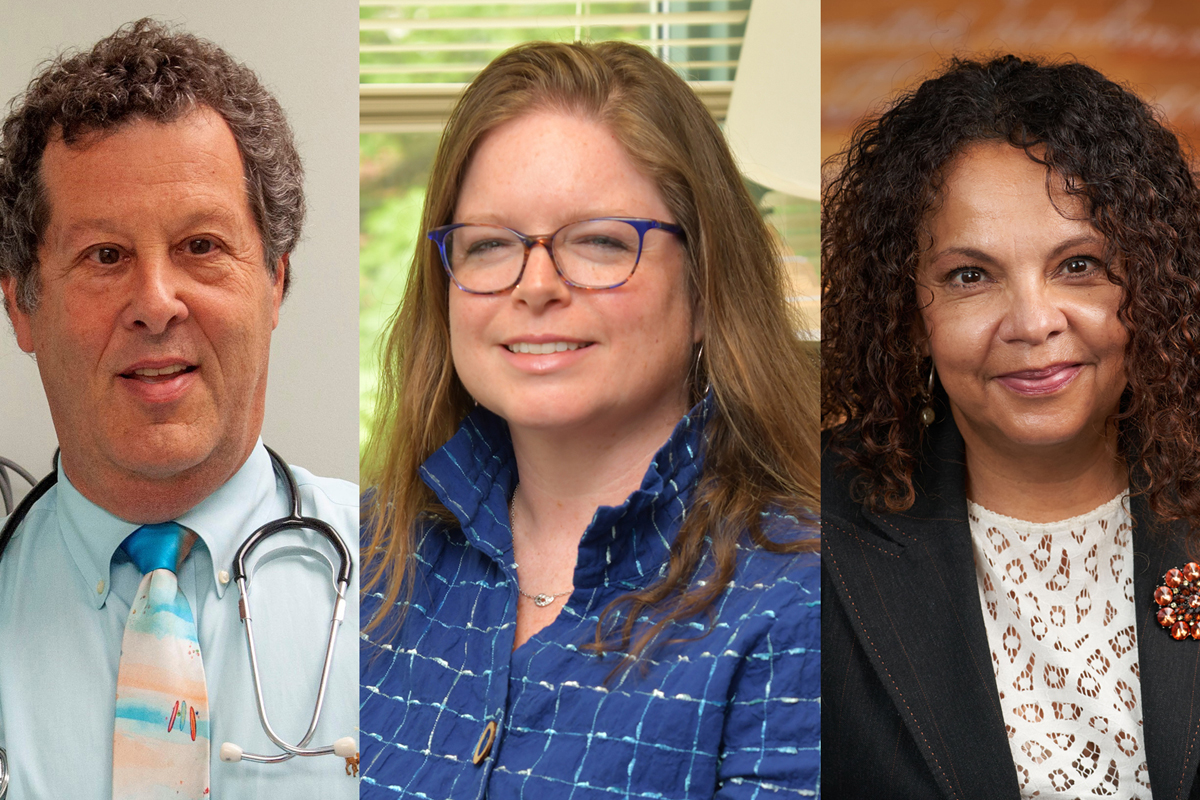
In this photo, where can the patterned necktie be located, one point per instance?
(160, 740)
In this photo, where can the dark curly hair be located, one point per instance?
(143, 71)
(1134, 180)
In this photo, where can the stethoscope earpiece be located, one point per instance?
(231, 753)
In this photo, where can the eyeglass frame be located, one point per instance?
(641, 224)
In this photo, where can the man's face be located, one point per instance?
(154, 322)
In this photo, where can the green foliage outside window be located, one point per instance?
(393, 171)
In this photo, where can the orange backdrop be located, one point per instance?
(872, 48)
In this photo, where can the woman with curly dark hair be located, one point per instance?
(1011, 400)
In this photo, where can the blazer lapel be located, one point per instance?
(1170, 669)
(909, 587)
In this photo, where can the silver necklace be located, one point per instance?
(539, 600)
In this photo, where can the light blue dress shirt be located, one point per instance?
(65, 592)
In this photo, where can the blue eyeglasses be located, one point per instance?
(597, 253)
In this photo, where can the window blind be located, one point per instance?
(416, 57)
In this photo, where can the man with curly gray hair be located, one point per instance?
(150, 197)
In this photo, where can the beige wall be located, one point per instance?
(310, 60)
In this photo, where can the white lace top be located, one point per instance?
(1058, 607)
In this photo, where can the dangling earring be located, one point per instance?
(927, 415)
(696, 371)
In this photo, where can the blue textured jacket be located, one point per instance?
(734, 713)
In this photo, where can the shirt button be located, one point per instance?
(484, 747)
(223, 577)
(100, 587)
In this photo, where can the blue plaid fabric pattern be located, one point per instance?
(731, 714)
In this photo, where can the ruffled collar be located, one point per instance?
(475, 473)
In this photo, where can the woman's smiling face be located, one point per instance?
(621, 356)
(1019, 313)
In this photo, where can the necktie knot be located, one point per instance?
(155, 546)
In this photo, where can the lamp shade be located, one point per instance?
(774, 119)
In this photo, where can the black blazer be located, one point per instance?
(910, 707)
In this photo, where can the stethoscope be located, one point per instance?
(345, 747)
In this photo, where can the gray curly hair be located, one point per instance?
(143, 71)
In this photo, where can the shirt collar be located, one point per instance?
(222, 520)
(474, 475)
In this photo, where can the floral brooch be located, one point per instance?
(1179, 598)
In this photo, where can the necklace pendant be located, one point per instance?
(542, 600)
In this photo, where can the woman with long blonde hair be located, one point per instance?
(575, 584)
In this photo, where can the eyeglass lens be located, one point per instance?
(593, 253)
